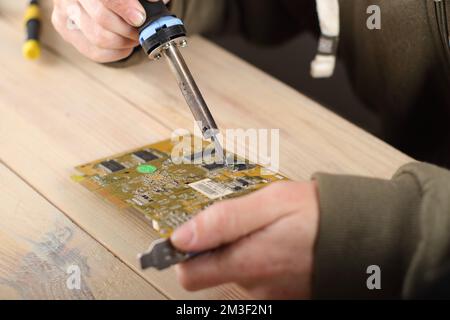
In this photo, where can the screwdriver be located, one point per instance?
(31, 49)
(160, 36)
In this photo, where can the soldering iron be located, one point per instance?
(160, 36)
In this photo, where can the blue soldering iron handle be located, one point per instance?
(154, 11)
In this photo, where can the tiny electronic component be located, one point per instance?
(242, 166)
(145, 155)
(111, 166)
(243, 182)
(146, 169)
(146, 180)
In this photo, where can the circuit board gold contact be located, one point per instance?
(169, 190)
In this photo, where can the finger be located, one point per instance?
(227, 221)
(108, 19)
(129, 10)
(238, 263)
(100, 37)
(98, 54)
(83, 45)
(206, 271)
(255, 260)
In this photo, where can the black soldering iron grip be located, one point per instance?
(154, 11)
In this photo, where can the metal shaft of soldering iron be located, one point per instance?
(193, 97)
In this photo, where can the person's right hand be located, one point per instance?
(102, 30)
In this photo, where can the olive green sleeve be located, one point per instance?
(259, 21)
(401, 225)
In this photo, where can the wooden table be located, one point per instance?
(65, 110)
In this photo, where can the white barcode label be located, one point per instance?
(211, 189)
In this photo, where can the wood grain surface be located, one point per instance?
(40, 247)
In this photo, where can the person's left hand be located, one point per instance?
(265, 242)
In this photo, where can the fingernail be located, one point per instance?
(136, 17)
(183, 235)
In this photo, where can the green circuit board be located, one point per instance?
(153, 182)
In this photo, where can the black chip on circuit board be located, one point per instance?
(243, 182)
(111, 166)
(213, 166)
(145, 155)
(242, 166)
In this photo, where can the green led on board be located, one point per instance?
(146, 168)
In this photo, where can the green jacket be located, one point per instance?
(402, 71)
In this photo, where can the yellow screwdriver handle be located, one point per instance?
(31, 49)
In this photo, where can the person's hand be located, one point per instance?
(102, 30)
(265, 242)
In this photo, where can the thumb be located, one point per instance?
(131, 11)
